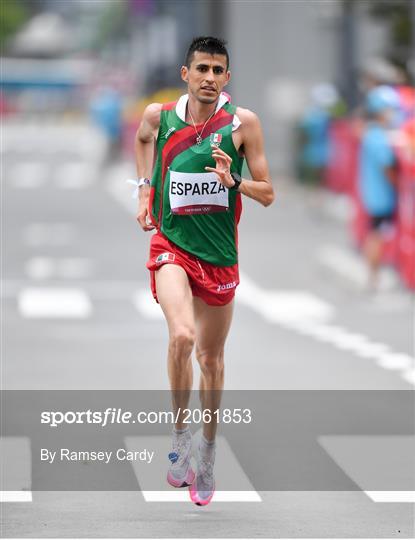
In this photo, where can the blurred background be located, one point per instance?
(333, 84)
(75, 78)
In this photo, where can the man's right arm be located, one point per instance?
(144, 152)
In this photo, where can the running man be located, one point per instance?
(193, 200)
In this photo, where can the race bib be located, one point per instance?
(197, 193)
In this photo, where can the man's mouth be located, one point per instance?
(209, 88)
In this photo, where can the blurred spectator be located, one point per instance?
(106, 113)
(377, 174)
(314, 127)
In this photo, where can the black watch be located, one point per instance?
(237, 179)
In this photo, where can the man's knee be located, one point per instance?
(211, 362)
(181, 343)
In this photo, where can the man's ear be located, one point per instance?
(228, 77)
(184, 73)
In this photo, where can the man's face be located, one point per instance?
(206, 76)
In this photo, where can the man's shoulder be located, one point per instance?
(152, 111)
(152, 114)
(247, 116)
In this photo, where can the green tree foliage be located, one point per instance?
(397, 12)
(13, 14)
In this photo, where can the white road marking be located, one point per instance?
(219, 496)
(49, 234)
(16, 496)
(311, 319)
(392, 496)
(80, 139)
(111, 289)
(41, 268)
(29, 175)
(16, 463)
(54, 303)
(146, 305)
(372, 350)
(228, 471)
(349, 341)
(395, 361)
(75, 175)
(74, 268)
(409, 376)
(286, 307)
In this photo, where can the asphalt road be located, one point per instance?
(78, 315)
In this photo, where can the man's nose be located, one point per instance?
(210, 76)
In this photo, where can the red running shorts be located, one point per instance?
(215, 285)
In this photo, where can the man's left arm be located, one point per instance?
(260, 187)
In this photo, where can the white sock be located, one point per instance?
(207, 449)
(180, 431)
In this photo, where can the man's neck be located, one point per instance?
(200, 111)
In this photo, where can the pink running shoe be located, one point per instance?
(180, 473)
(203, 487)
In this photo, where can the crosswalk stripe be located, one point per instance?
(16, 496)
(75, 175)
(49, 234)
(183, 496)
(29, 175)
(40, 268)
(66, 303)
(409, 376)
(392, 496)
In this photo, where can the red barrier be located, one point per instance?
(406, 220)
(341, 170)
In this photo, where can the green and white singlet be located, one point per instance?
(187, 204)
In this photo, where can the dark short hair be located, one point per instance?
(207, 44)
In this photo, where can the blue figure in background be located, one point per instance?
(377, 173)
(315, 134)
(106, 113)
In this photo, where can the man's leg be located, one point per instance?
(175, 297)
(212, 326)
(373, 253)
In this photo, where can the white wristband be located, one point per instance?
(138, 183)
(143, 181)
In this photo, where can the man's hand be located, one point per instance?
(143, 216)
(223, 167)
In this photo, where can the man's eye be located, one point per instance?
(218, 71)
